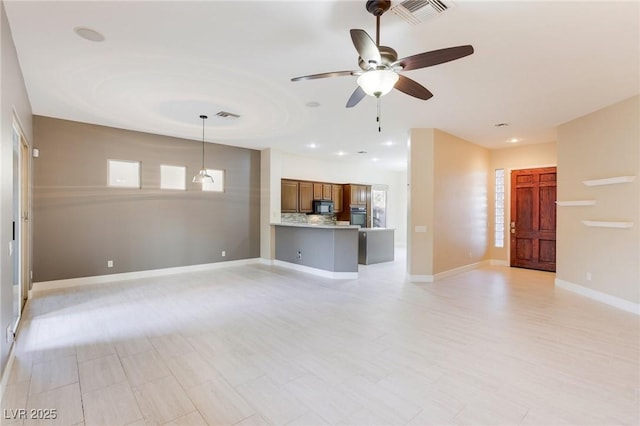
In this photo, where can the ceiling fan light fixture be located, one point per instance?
(378, 82)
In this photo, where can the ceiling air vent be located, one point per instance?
(227, 115)
(418, 11)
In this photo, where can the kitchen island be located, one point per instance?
(327, 250)
(375, 245)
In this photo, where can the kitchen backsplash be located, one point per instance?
(317, 219)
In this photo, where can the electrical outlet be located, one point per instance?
(588, 276)
(109, 263)
(299, 255)
(224, 253)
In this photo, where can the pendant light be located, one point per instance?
(202, 176)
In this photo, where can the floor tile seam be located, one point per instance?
(137, 390)
(265, 416)
(56, 387)
(129, 379)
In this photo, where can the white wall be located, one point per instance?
(448, 201)
(14, 103)
(603, 144)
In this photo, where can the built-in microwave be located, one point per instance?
(322, 207)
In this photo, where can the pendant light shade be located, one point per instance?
(378, 82)
(202, 176)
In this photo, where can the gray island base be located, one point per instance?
(326, 250)
(376, 245)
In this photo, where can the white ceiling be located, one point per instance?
(163, 63)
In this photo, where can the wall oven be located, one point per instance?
(359, 216)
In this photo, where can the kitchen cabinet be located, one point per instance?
(297, 196)
(305, 197)
(317, 191)
(326, 191)
(337, 192)
(361, 194)
(322, 191)
(356, 194)
(288, 196)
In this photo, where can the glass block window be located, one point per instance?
(499, 206)
(123, 174)
(173, 177)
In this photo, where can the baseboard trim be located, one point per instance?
(459, 270)
(449, 273)
(614, 301)
(7, 371)
(316, 271)
(420, 278)
(101, 279)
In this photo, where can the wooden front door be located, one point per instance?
(533, 218)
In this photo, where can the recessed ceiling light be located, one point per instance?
(514, 140)
(388, 143)
(313, 104)
(501, 124)
(341, 153)
(312, 145)
(88, 34)
(375, 159)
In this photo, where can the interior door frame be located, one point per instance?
(23, 220)
(508, 201)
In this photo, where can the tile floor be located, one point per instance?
(256, 345)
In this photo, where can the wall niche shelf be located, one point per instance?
(609, 181)
(603, 224)
(575, 203)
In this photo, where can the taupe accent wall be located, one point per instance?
(80, 223)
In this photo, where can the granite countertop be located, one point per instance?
(376, 229)
(309, 225)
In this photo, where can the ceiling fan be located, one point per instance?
(380, 67)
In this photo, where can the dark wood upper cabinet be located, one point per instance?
(356, 194)
(289, 196)
(305, 199)
(326, 191)
(337, 194)
(317, 191)
(297, 196)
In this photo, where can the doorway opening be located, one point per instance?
(20, 244)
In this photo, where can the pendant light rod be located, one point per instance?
(204, 117)
(202, 176)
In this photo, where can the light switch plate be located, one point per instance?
(420, 228)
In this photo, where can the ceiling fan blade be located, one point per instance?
(412, 88)
(356, 97)
(324, 75)
(366, 47)
(434, 57)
